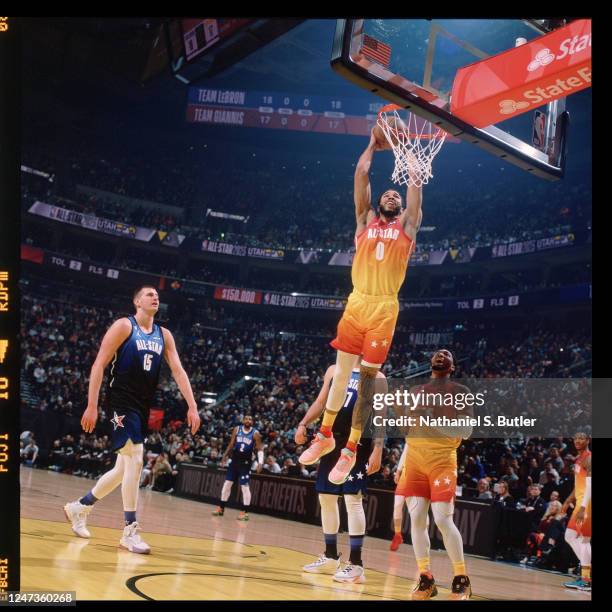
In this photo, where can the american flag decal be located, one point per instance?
(376, 51)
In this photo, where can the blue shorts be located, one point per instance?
(239, 471)
(357, 480)
(127, 425)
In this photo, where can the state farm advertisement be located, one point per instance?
(545, 69)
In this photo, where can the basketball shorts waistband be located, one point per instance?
(375, 299)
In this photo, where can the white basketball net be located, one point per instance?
(414, 148)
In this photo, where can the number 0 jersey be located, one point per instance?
(381, 258)
(135, 370)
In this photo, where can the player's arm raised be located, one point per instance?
(259, 449)
(375, 459)
(362, 188)
(229, 446)
(413, 214)
(180, 376)
(115, 336)
(316, 408)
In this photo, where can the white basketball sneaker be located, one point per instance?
(350, 573)
(132, 541)
(323, 565)
(76, 513)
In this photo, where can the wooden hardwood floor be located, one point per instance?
(197, 556)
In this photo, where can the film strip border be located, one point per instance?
(10, 137)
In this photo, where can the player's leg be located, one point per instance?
(133, 461)
(361, 412)
(418, 508)
(585, 564)
(414, 485)
(324, 442)
(76, 512)
(354, 572)
(398, 515)
(329, 561)
(379, 322)
(226, 490)
(442, 474)
(246, 495)
(443, 512)
(582, 552)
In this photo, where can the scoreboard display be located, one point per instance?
(288, 111)
(284, 111)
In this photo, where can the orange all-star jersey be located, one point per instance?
(381, 258)
(580, 475)
(427, 437)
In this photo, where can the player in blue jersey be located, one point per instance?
(368, 460)
(245, 439)
(136, 345)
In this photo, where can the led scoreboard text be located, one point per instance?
(281, 111)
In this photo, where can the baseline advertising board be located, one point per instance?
(296, 499)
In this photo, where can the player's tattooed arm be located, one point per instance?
(365, 397)
(375, 459)
(316, 408)
(587, 465)
(116, 335)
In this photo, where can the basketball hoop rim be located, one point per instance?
(389, 107)
(439, 133)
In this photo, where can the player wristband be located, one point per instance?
(260, 456)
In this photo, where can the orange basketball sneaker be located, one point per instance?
(343, 467)
(461, 589)
(396, 541)
(320, 446)
(425, 588)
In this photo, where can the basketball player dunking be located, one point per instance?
(578, 532)
(136, 345)
(244, 437)
(368, 462)
(429, 478)
(384, 243)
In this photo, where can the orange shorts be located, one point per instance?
(429, 473)
(367, 326)
(585, 529)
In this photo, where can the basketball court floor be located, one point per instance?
(196, 556)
